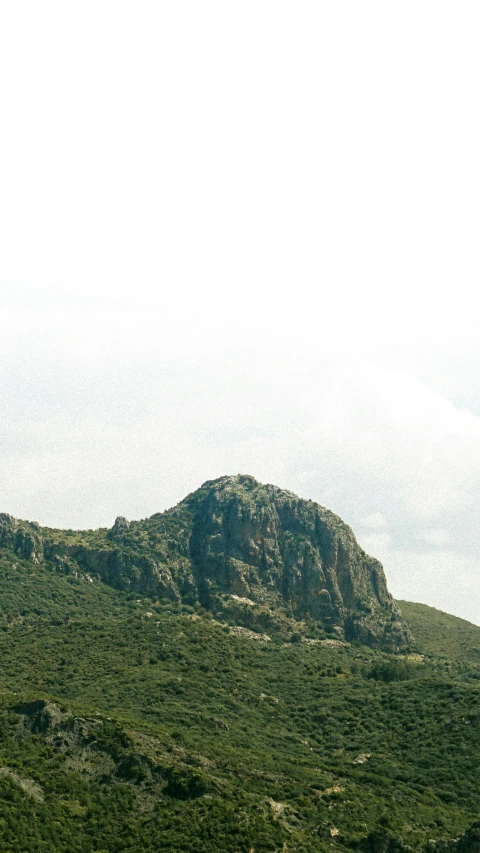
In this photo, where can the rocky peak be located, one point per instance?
(119, 529)
(22, 537)
(266, 544)
(252, 553)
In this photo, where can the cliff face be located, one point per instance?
(265, 544)
(241, 549)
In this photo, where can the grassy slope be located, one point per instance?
(267, 732)
(441, 634)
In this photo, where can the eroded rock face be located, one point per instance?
(22, 537)
(42, 717)
(119, 529)
(234, 543)
(269, 545)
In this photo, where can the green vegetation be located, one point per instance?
(167, 732)
(441, 634)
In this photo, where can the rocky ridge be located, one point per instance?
(252, 554)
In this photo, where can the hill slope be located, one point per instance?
(130, 724)
(126, 724)
(441, 634)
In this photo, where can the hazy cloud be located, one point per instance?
(438, 537)
(376, 519)
(245, 239)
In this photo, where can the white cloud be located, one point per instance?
(231, 244)
(437, 537)
(245, 170)
(444, 579)
(374, 520)
(375, 543)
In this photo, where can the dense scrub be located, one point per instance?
(441, 634)
(166, 732)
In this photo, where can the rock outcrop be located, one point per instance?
(241, 549)
(22, 537)
(266, 544)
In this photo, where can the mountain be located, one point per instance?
(250, 552)
(135, 718)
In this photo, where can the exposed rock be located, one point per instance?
(239, 631)
(266, 697)
(119, 529)
(28, 785)
(41, 717)
(92, 745)
(243, 600)
(276, 807)
(361, 759)
(267, 545)
(334, 789)
(256, 554)
(328, 831)
(22, 537)
(8, 526)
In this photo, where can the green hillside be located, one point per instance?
(167, 731)
(241, 549)
(231, 676)
(441, 634)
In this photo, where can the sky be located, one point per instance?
(243, 238)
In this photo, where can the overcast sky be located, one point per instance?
(243, 237)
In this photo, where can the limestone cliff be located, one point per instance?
(267, 545)
(253, 553)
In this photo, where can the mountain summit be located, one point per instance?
(254, 554)
(266, 545)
